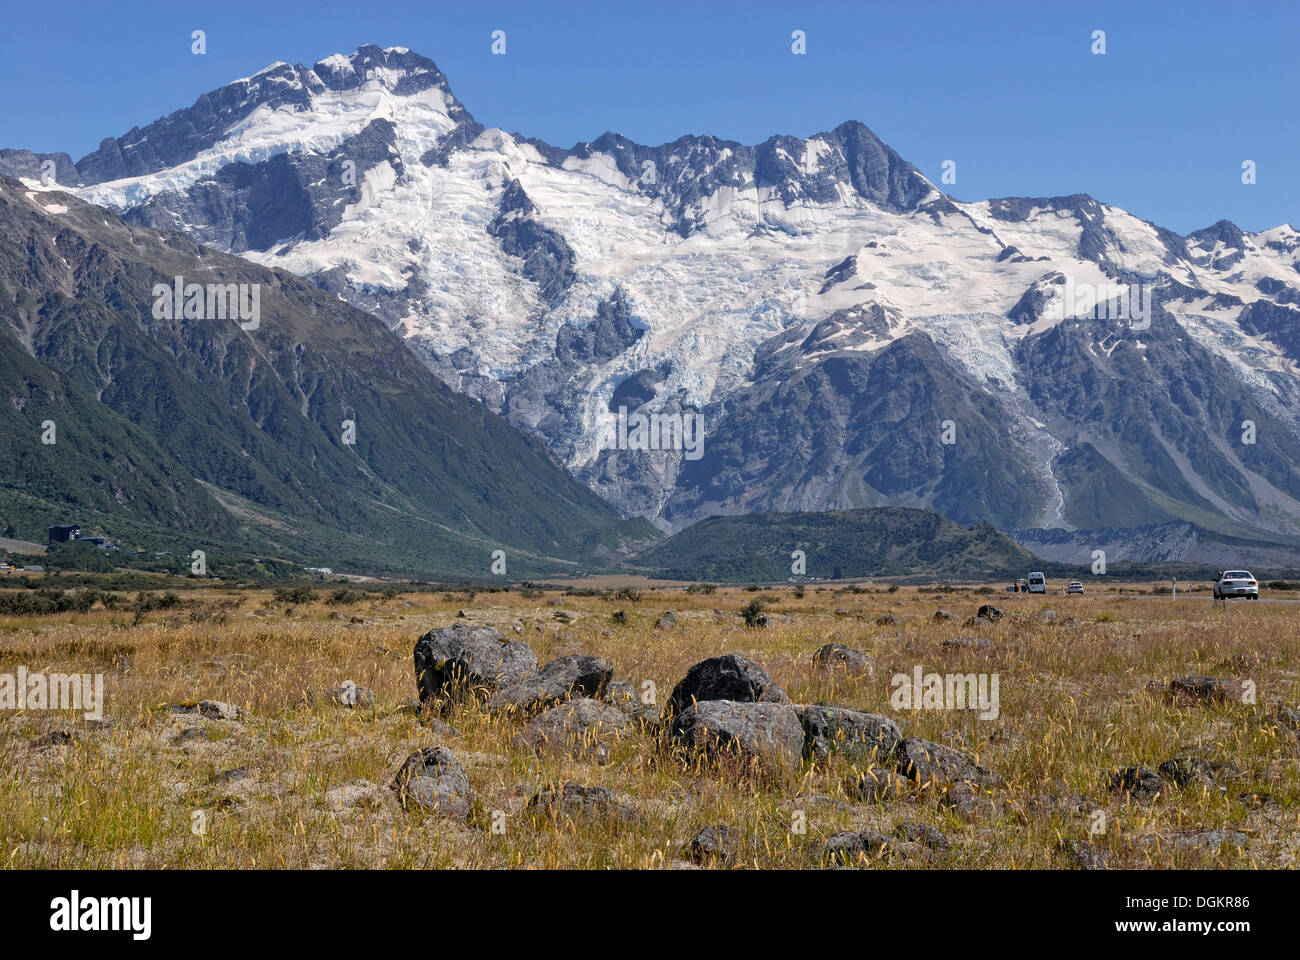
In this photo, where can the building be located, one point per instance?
(63, 532)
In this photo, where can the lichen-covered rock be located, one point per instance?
(729, 677)
(433, 780)
(576, 801)
(1139, 782)
(715, 843)
(865, 736)
(923, 761)
(770, 732)
(837, 656)
(583, 728)
(564, 677)
(452, 661)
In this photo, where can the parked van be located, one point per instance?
(1037, 583)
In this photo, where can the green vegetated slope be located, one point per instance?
(198, 432)
(886, 541)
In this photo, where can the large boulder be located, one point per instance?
(924, 761)
(864, 736)
(770, 732)
(729, 677)
(576, 676)
(584, 728)
(837, 656)
(454, 660)
(433, 780)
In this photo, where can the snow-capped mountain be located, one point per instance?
(851, 335)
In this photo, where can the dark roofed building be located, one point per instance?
(63, 532)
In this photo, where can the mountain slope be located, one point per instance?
(257, 416)
(890, 541)
(786, 291)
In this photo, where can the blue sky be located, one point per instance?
(1009, 91)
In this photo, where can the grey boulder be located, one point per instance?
(866, 736)
(455, 660)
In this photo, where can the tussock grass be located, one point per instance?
(1074, 707)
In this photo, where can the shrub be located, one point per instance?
(295, 594)
(752, 611)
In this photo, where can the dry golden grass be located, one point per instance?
(1074, 706)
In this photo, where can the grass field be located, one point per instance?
(293, 784)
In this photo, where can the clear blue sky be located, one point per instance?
(1008, 90)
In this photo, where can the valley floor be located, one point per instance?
(293, 783)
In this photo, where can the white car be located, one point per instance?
(1037, 583)
(1236, 583)
(1074, 587)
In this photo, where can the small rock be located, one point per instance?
(877, 785)
(577, 801)
(433, 780)
(667, 621)
(888, 620)
(348, 695)
(211, 709)
(1050, 803)
(961, 643)
(837, 656)
(923, 833)
(966, 802)
(1139, 782)
(1198, 689)
(989, 612)
(354, 793)
(716, 843)
(943, 616)
(1085, 856)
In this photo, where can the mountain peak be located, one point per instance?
(400, 69)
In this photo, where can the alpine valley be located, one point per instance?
(851, 336)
